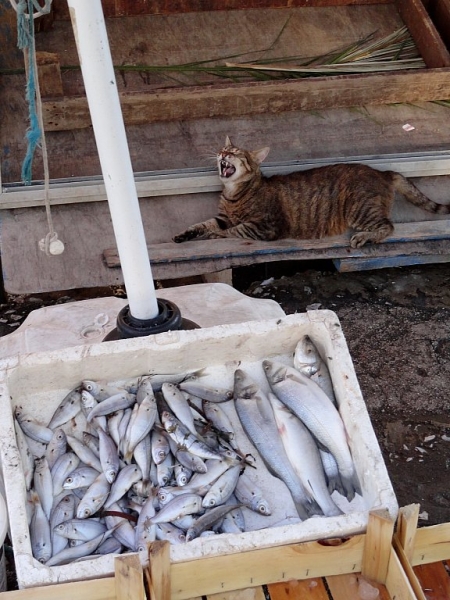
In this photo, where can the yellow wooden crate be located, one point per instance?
(312, 570)
(425, 554)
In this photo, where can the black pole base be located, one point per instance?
(168, 319)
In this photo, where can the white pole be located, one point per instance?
(103, 98)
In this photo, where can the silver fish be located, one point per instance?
(80, 529)
(160, 446)
(184, 504)
(182, 474)
(332, 472)
(43, 485)
(40, 534)
(56, 446)
(92, 442)
(184, 438)
(141, 422)
(144, 389)
(312, 406)
(84, 453)
(306, 357)
(67, 409)
(126, 477)
(304, 455)
(179, 406)
(144, 530)
(221, 421)
(233, 521)
(124, 532)
(113, 424)
(112, 404)
(316, 369)
(32, 428)
(109, 459)
(250, 495)
(263, 433)
(170, 533)
(143, 458)
(222, 488)
(190, 461)
(65, 464)
(88, 403)
(101, 390)
(164, 470)
(62, 511)
(109, 546)
(94, 498)
(25, 454)
(192, 386)
(81, 477)
(206, 521)
(79, 551)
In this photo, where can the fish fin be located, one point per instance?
(351, 486)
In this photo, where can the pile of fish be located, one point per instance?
(118, 467)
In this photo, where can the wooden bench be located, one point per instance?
(411, 243)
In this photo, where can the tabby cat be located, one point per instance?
(307, 204)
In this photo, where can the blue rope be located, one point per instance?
(25, 39)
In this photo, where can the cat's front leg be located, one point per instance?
(199, 231)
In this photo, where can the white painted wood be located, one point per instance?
(190, 181)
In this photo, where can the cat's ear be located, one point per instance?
(259, 155)
(227, 142)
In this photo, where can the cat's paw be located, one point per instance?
(359, 239)
(184, 236)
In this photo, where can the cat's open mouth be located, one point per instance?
(226, 168)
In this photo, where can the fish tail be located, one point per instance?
(351, 486)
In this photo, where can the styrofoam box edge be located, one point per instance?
(29, 379)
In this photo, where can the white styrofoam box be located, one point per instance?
(38, 382)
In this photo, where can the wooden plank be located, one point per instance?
(256, 593)
(94, 589)
(129, 578)
(398, 583)
(347, 265)
(257, 98)
(378, 546)
(434, 579)
(407, 568)
(306, 589)
(427, 39)
(408, 518)
(234, 248)
(190, 181)
(264, 566)
(440, 13)
(126, 8)
(346, 587)
(158, 572)
(49, 74)
(432, 544)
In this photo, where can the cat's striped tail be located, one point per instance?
(412, 193)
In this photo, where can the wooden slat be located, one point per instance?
(96, 589)
(398, 583)
(434, 579)
(258, 98)
(377, 548)
(407, 568)
(439, 11)
(264, 566)
(158, 571)
(256, 593)
(427, 39)
(190, 181)
(168, 263)
(346, 587)
(408, 518)
(129, 578)
(126, 8)
(347, 265)
(432, 544)
(306, 589)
